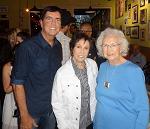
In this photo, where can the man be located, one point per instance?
(67, 19)
(86, 27)
(136, 56)
(36, 63)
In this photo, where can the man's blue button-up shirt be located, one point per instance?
(35, 66)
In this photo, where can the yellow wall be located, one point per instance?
(17, 8)
(120, 21)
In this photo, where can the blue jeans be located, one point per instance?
(46, 122)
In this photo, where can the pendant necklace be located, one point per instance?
(107, 83)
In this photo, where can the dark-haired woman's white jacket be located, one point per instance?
(66, 94)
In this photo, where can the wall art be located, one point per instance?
(135, 14)
(134, 32)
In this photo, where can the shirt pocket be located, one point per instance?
(70, 90)
(67, 89)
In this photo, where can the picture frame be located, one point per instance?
(126, 5)
(148, 1)
(135, 14)
(134, 32)
(119, 8)
(129, 6)
(128, 31)
(143, 16)
(142, 3)
(142, 34)
(129, 14)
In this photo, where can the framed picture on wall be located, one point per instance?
(119, 8)
(142, 3)
(135, 14)
(126, 5)
(148, 1)
(128, 31)
(129, 14)
(129, 6)
(129, 11)
(134, 32)
(142, 34)
(143, 16)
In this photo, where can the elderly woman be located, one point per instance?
(122, 101)
(73, 94)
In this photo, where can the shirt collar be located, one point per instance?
(43, 43)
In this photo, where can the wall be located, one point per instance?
(124, 22)
(17, 15)
(121, 22)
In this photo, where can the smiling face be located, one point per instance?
(51, 24)
(80, 51)
(111, 49)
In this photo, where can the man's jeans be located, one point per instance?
(46, 122)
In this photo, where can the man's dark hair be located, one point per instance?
(50, 9)
(66, 18)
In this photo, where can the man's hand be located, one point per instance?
(27, 122)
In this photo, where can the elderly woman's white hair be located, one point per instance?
(112, 32)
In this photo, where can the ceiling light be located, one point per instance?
(90, 10)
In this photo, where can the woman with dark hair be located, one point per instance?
(73, 94)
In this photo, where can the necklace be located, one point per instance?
(110, 70)
(107, 83)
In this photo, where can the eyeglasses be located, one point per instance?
(112, 46)
(86, 31)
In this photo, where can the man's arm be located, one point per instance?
(26, 120)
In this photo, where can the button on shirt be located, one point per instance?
(35, 66)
